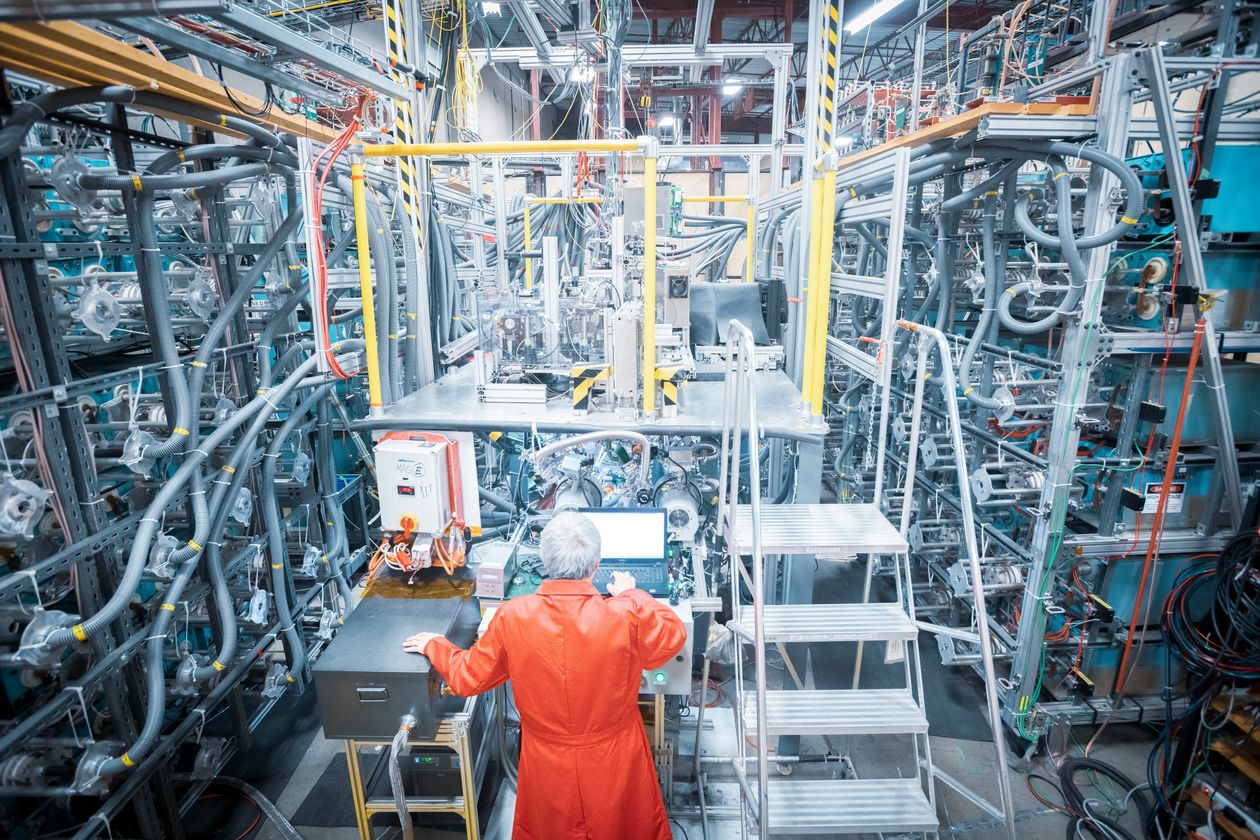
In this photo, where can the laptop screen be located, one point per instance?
(630, 533)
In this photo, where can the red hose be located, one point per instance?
(1157, 525)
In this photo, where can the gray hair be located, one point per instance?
(569, 548)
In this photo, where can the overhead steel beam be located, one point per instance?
(725, 150)
(255, 25)
(638, 55)
(193, 44)
(700, 36)
(537, 38)
(931, 12)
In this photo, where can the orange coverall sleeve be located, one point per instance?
(472, 671)
(661, 633)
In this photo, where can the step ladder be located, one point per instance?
(797, 806)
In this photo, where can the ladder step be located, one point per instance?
(860, 712)
(848, 806)
(818, 529)
(832, 622)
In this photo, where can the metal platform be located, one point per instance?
(860, 712)
(849, 806)
(832, 623)
(451, 403)
(819, 528)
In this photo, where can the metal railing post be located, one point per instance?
(967, 513)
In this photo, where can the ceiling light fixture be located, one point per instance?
(491, 8)
(668, 121)
(874, 13)
(731, 88)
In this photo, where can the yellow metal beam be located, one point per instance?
(649, 283)
(507, 147)
(826, 244)
(365, 285)
(811, 287)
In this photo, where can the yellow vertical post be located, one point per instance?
(529, 245)
(752, 234)
(649, 281)
(811, 284)
(826, 244)
(365, 285)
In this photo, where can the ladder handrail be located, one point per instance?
(967, 512)
(739, 374)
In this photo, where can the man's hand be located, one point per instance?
(416, 643)
(621, 582)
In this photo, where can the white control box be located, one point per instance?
(414, 482)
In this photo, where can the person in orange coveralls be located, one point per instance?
(575, 660)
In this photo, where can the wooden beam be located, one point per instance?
(960, 124)
(70, 54)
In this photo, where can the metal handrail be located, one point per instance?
(949, 392)
(741, 359)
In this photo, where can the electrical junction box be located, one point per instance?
(414, 482)
(493, 563)
(674, 677)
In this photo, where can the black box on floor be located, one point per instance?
(366, 682)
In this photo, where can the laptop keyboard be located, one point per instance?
(652, 578)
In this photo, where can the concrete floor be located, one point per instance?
(970, 762)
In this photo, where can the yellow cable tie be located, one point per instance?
(222, 119)
(289, 677)
(78, 632)
(968, 390)
(194, 545)
(180, 431)
(1062, 175)
(276, 566)
(169, 607)
(179, 153)
(135, 180)
(218, 666)
(228, 468)
(991, 192)
(294, 267)
(195, 363)
(852, 192)
(1012, 292)
(127, 760)
(1128, 220)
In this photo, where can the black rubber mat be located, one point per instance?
(277, 747)
(329, 805)
(954, 695)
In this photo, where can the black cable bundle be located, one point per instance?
(1211, 623)
(1222, 643)
(1091, 823)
